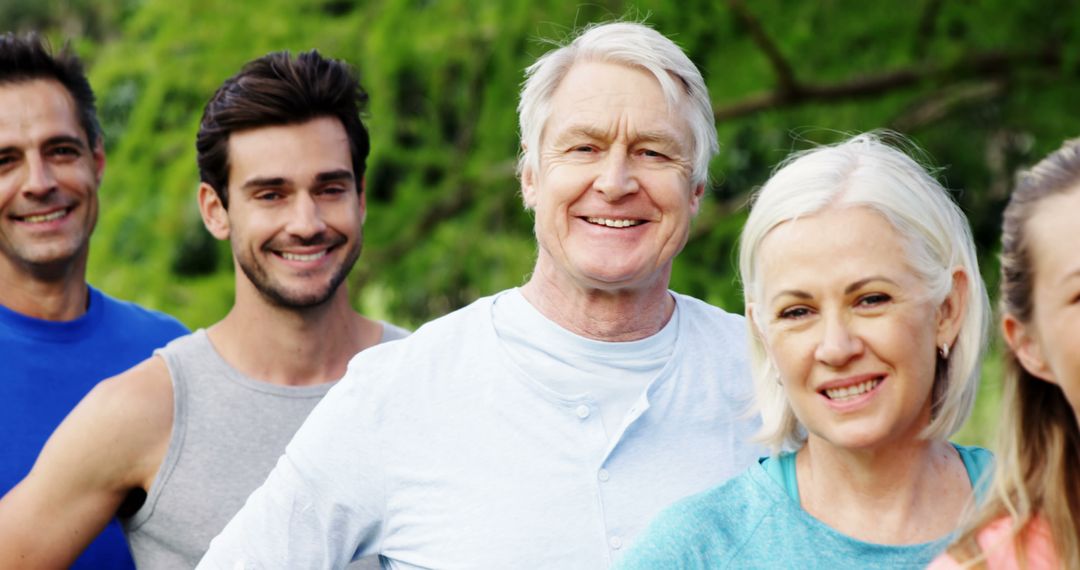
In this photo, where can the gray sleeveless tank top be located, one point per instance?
(228, 432)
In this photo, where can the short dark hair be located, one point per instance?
(277, 89)
(29, 57)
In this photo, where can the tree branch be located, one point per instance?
(785, 76)
(979, 65)
(944, 101)
(925, 32)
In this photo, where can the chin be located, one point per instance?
(298, 299)
(855, 439)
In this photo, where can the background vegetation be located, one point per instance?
(985, 86)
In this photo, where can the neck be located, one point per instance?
(292, 347)
(598, 313)
(53, 293)
(904, 493)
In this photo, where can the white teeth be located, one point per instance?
(46, 217)
(302, 257)
(614, 223)
(852, 391)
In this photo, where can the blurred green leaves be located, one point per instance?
(985, 86)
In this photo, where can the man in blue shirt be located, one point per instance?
(58, 336)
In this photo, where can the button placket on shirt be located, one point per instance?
(584, 412)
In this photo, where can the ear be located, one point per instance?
(1023, 343)
(751, 310)
(528, 186)
(98, 154)
(953, 309)
(695, 198)
(759, 334)
(755, 327)
(214, 215)
(363, 201)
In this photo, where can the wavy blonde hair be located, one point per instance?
(1037, 470)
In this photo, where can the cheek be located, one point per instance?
(792, 353)
(909, 345)
(79, 178)
(7, 192)
(1058, 337)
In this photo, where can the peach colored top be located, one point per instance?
(997, 542)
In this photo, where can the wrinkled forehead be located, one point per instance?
(599, 96)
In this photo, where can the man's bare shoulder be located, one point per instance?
(127, 419)
(145, 385)
(111, 444)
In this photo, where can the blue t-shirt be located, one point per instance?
(755, 521)
(48, 366)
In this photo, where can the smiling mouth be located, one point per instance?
(848, 392)
(303, 256)
(614, 223)
(42, 218)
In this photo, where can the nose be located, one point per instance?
(40, 179)
(839, 344)
(616, 178)
(305, 218)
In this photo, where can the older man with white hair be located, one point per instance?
(543, 426)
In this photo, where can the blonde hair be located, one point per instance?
(1037, 470)
(866, 171)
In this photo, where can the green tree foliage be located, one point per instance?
(984, 86)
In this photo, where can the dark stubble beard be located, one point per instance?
(281, 298)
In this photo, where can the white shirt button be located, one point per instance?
(583, 411)
(603, 475)
(615, 542)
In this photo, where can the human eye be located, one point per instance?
(652, 153)
(793, 313)
(873, 300)
(334, 190)
(65, 151)
(268, 195)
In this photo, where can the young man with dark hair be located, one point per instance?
(58, 335)
(178, 442)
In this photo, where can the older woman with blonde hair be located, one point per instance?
(868, 323)
(1032, 519)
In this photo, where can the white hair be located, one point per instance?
(633, 45)
(866, 171)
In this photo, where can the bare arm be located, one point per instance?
(112, 443)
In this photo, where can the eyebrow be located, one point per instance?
(334, 176)
(51, 141)
(603, 134)
(799, 294)
(1071, 275)
(263, 182)
(862, 282)
(66, 139)
(279, 181)
(792, 293)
